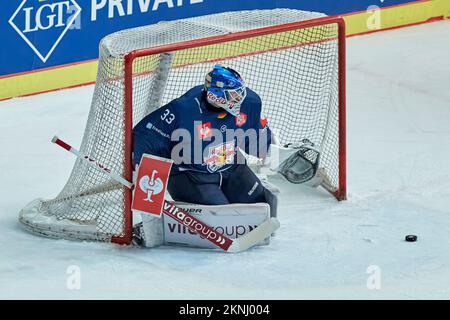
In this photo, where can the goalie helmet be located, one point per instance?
(225, 89)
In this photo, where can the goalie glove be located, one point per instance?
(296, 163)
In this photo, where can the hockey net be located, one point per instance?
(293, 59)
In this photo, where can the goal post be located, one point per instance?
(294, 60)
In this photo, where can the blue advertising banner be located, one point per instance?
(37, 34)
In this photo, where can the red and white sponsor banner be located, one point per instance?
(151, 184)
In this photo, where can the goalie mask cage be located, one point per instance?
(294, 60)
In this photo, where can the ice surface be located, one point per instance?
(398, 181)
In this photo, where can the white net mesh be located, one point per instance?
(295, 72)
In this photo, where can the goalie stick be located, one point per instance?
(242, 243)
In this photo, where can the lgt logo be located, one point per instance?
(55, 17)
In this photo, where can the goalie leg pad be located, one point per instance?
(241, 185)
(271, 193)
(149, 233)
(197, 187)
(233, 220)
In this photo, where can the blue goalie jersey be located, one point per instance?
(200, 137)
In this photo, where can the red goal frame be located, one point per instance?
(340, 194)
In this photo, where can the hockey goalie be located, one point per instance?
(207, 133)
(273, 105)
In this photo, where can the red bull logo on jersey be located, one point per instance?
(219, 156)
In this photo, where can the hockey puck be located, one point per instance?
(411, 238)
